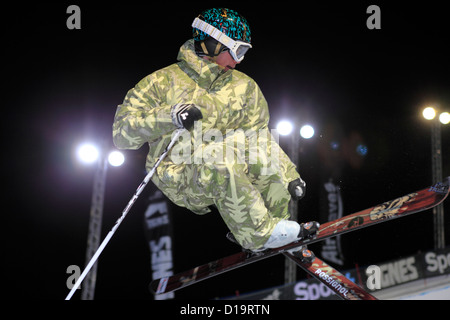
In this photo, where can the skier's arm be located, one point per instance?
(142, 116)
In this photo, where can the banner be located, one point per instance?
(331, 155)
(392, 273)
(421, 266)
(331, 208)
(159, 235)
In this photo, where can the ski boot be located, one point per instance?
(285, 232)
(308, 230)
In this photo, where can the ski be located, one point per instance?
(411, 203)
(329, 276)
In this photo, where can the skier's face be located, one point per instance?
(226, 60)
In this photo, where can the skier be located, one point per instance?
(203, 93)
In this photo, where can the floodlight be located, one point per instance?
(87, 153)
(284, 127)
(429, 113)
(444, 118)
(307, 132)
(116, 158)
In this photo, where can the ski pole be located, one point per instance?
(124, 214)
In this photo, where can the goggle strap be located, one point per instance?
(218, 47)
(213, 32)
(205, 51)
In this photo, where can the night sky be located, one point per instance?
(316, 63)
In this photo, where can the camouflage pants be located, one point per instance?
(251, 200)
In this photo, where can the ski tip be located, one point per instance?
(441, 187)
(447, 181)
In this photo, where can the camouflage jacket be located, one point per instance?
(228, 101)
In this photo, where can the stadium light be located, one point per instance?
(430, 114)
(88, 153)
(444, 118)
(285, 127)
(307, 132)
(116, 158)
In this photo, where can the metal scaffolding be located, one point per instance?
(290, 267)
(436, 167)
(95, 226)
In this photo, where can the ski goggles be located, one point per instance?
(237, 48)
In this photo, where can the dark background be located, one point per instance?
(315, 63)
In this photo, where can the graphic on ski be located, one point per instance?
(329, 276)
(412, 203)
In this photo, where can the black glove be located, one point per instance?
(184, 115)
(297, 189)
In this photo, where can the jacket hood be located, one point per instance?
(202, 71)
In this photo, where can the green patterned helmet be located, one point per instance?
(219, 29)
(228, 21)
